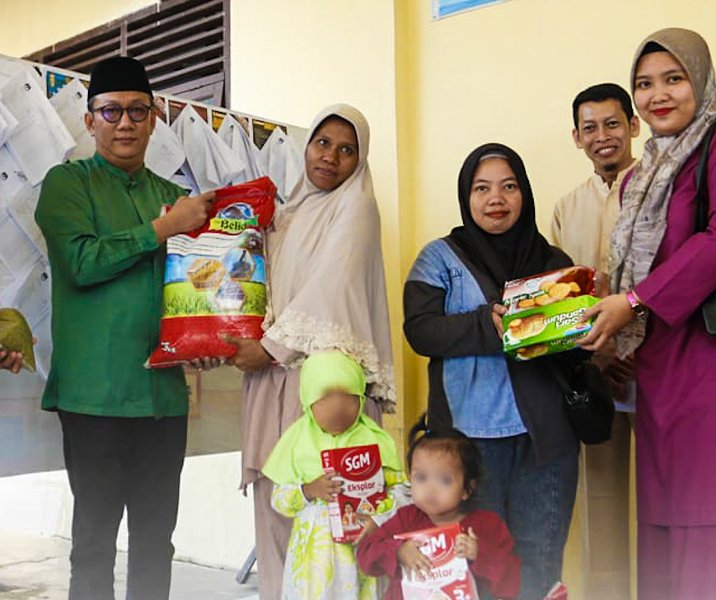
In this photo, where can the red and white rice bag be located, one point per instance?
(215, 279)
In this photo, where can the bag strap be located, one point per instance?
(702, 191)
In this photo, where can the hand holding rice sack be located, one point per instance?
(512, 409)
(327, 292)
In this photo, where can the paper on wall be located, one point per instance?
(22, 211)
(211, 161)
(183, 178)
(40, 140)
(11, 176)
(16, 250)
(10, 66)
(32, 298)
(238, 140)
(70, 103)
(281, 160)
(7, 279)
(8, 123)
(165, 154)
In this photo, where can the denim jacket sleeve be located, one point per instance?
(428, 328)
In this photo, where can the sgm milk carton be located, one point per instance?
(361, 470)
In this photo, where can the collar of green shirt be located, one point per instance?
(138, 177)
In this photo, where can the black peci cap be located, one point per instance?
(118, 74)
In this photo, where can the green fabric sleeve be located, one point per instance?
(65, 214)
(288, 500)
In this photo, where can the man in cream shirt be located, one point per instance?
(604, 126)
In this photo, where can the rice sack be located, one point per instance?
(215, 279)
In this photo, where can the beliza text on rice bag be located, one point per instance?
(215, 279)
(544, 312)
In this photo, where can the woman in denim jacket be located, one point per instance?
(513, 410)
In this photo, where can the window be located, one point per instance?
(184, 45)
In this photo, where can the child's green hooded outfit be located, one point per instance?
(317, 568)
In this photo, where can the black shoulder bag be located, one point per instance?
(708, 308)
(587, 402)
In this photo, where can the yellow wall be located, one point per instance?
(290, 59)
(508, 73)
(29, 25)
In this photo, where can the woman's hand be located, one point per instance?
(324, 488)
(250, 354)
(415, 563)
(610, 315)
(466, 545)
(205, 363)
(12, 361)
(498, 310)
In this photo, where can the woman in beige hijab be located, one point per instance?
(327, 291)
(662, 270)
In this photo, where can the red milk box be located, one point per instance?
(361, 470)
(450, 578)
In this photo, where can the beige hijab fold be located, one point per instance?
(326, 270)
(642, 222)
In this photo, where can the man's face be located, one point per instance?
(124, 143)
(605, 134)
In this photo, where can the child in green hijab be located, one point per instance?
(332, 392)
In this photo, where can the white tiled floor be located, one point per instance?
(36, 568)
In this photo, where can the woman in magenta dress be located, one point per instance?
(661, 273)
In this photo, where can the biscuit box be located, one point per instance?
(544, 312)
(449, 579)
(361, 470)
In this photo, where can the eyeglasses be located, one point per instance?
(113, 113)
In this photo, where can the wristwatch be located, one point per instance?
(637, 307)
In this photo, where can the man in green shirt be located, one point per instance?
(124, 426)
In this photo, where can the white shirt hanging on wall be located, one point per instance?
(210, 160)
(22, 210)
(238, 140)
(17, 251)
(11, 176)
(165, 154)
(281, 160)
(70, 103)
(8, 123)
(31, 296)
(10, 66)
(19, 199)
(40, 140)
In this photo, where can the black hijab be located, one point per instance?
(519, 252)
